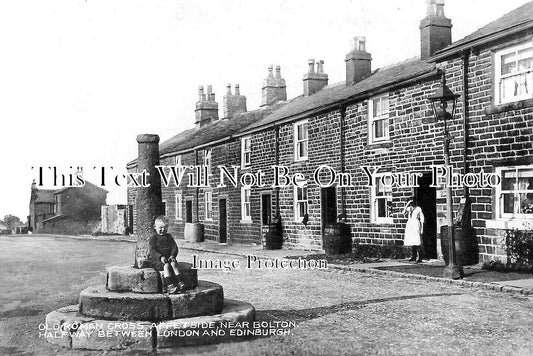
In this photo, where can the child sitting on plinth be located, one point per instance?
(163, 253)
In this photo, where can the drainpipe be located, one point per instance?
(197, 189)
(342, 138)
(277, 164)
(466, 58)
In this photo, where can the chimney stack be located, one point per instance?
(274, 88)
(233, 103)
(435, 29)
(314, 81)
(358, 62)
(206, 107)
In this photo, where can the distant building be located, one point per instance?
(4, 229)
(65, 210)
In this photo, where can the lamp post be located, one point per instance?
(441, 101)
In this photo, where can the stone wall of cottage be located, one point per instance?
(499, 136)
(416, 143)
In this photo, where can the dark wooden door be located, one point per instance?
(188, 211)
(223, 220)
(328, 206)
(427, 200)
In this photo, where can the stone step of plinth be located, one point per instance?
(146, 280)
(97, 301)
(68, 328)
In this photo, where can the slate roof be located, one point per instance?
(333, 95)
(515, 20)
(214, 131)
(87, 184)
(44, 196)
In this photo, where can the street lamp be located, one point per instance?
(441, 101)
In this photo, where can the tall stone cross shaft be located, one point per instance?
(149, 203)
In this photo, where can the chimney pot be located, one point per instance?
(228, 89)
(320, 66)
(278, 72)
(237, 90)
(201, 95)
(311, 63)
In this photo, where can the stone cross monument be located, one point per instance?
(149, 203)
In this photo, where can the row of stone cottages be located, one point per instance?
(376, 118)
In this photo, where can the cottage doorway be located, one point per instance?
(328, 207)
(188, 211)
(427, 199)
(266, 209)
(223, 221)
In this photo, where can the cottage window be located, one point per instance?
(56, 204)
(179, 210)
(246, 213)
(208, 205)
(515, 193)
(246, 151)
(381, 200)
(300, 140)
(378, 119)
(207, 159)
(300, 203)
(514, 73)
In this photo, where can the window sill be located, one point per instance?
(246, 221)
(496, 109)
(505, 224)
(383, 222)
(379, 144)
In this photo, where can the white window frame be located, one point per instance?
(179, 206)
(516, 215)
(244, 216)
(526, 74)
(297, 216)
(372, 120)
(208, 205)
(207, 158)
(246, 153)
(374, 198)
(298, 142)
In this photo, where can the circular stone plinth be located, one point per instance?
(67, 328)
(97, 301)
(147, 280)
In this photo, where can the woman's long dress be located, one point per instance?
(413, 227)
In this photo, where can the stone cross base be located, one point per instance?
(147, 280)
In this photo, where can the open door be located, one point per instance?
(427, 199)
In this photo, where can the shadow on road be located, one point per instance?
(301, 315)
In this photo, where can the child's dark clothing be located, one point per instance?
(161, 245)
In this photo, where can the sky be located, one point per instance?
(79, 79)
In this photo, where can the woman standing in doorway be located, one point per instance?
(414, 228)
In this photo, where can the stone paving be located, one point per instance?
(335, 312)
